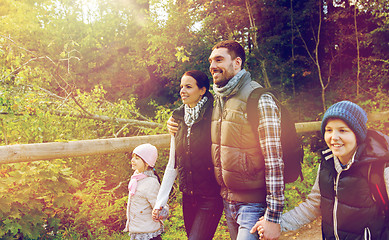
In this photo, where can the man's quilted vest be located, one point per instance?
(350, 212)
(237, 156)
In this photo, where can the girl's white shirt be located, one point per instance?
(168, 178)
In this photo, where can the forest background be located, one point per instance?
(69, 68)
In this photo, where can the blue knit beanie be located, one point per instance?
(354, 116)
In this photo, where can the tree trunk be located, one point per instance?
(323, 87)
(255, 43)
(357, 42)
(292, 43)
(315, 58)
(264, 73)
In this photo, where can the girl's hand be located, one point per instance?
(155, 214)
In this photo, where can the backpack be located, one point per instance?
(292, 151)
(377, 186)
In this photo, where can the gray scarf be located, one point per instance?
(191, 114)
(232, 83)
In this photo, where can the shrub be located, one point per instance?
(297, 191)
(34, 199)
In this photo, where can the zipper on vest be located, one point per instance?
(367, 234)
(334, 218)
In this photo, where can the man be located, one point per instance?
(249, 170)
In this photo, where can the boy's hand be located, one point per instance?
(267, 230)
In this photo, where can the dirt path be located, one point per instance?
(310, 231)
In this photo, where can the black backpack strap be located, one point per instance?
(377, 185)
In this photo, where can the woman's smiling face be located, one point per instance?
(340, 139)
(190, 93)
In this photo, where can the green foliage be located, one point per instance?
(378, 104)
(100, 210)
(222, 229)
(59, 65)
(73, 198)
(296, 192)
(175, 224)
(35, 198)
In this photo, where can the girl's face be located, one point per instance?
(340, 139)
(190, 93)
(137, 163)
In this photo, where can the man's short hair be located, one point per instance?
(234, 49)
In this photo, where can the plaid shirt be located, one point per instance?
(269, 130)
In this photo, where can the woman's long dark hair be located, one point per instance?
(201, 78)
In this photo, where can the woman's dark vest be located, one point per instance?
(193, 156)
(356, 209)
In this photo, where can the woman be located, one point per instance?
(202, 204)
(341, 193)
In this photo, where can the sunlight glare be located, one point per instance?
(90, 10)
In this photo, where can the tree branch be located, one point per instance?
(109, 119)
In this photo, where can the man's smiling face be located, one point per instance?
(222, 66)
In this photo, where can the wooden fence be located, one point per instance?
(55, 150)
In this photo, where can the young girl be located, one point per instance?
(143, 189)
(341, 193)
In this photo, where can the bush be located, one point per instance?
(296, 192)
(35, 198)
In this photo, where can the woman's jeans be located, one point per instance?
(201, 216)
(241, 217)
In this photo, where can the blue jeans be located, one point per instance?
(201, 216)
(241, 217)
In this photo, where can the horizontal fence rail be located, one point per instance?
(55, 150)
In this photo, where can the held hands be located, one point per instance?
(160, 214)
(155, 214)
(267, 230)
(172, 126)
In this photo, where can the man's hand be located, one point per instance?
(172, 126)
(267, 230)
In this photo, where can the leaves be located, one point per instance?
(123, 60)
(31, 192)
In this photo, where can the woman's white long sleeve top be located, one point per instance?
(168, 178)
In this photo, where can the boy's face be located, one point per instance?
(340, 139)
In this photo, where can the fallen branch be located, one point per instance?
(110, 119)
